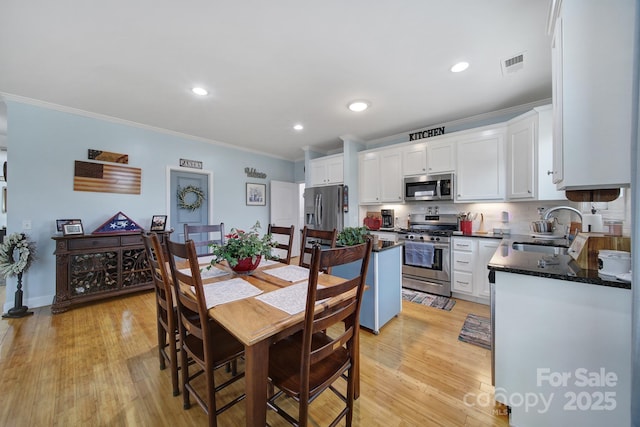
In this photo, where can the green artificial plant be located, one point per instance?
(351, 236)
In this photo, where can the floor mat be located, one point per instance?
(430, 300)
(477, 331)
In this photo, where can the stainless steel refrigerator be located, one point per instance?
(324, 207)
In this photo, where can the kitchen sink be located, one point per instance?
(544, 249)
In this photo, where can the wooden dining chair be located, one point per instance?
(304, 365)
(284, 237)
(204, 235)
(166, 313)
(209, 346)
(326, 238)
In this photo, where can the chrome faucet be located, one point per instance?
(546, 215)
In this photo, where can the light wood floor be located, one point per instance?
(97, 365)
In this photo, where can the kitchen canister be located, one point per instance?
(612, 263)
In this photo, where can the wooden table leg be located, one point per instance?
(256, 379)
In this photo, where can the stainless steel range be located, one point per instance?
(426, 255)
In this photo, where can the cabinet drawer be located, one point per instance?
(99, 242)
(462, 261)
(462, 282)
(134, 239)
(462, 244)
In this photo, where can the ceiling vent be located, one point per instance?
(512, 64)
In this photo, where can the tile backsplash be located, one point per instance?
(520, 213)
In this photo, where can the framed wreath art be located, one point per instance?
(26, 250)
(190, 197)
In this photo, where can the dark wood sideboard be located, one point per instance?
(98, 266)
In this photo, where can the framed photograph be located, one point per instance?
(72, 229)
(158, 222)
(61, 222)
(256, 194)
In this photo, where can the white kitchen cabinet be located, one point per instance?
(529, 157)
(441, 156)
(480, 171)
(486, 248)
(521, 173)
(380, 176)
(390, 176)
(386, 236)
(327, 170)
(570, 331)
(469, 259)
(414, 159)
(592, 69)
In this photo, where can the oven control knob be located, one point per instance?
(437, 239)
(410, 237)
(421, 237)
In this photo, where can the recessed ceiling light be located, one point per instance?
(200, 91)
(298, 126)
(358, 106)
(460, 66)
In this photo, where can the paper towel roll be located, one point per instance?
(592, 223)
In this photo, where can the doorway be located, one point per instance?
(190, 199)
(286, 208)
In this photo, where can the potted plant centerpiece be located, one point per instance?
(243, 250)
(351, 236)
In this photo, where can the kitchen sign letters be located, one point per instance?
(426, 133)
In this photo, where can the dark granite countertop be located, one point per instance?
(561, 267)
(385, 245)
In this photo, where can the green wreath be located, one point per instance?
(26, 253)
(184, 192)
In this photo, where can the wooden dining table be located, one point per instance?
(257, 325)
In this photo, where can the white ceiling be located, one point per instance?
(271, 64)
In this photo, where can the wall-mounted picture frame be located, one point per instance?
(158, 222)
(72, 229)
(256, 194)
(60, 223)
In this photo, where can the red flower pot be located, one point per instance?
(246, 265)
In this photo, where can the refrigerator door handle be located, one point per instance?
(320, 218)
(315, 210)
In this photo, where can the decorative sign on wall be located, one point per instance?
(107, 156)
(426, 133)
(104, 178)
(253, 173)
(195, 164)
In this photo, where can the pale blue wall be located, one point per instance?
(42, 147)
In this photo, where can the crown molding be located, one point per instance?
(62, 108)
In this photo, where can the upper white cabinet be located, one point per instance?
(529, 157)
(441, 156)
(480, 171)
(327, 170)
(380, 176)
(592, 68)
(414, 159)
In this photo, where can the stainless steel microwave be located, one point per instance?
(428, 187)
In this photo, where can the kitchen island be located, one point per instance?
(383, 299)
(562, 340)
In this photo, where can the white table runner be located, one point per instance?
(291, 300)
(290, 273)
(205, 259)
(206, 274)
(227, 291)
(267, 262)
